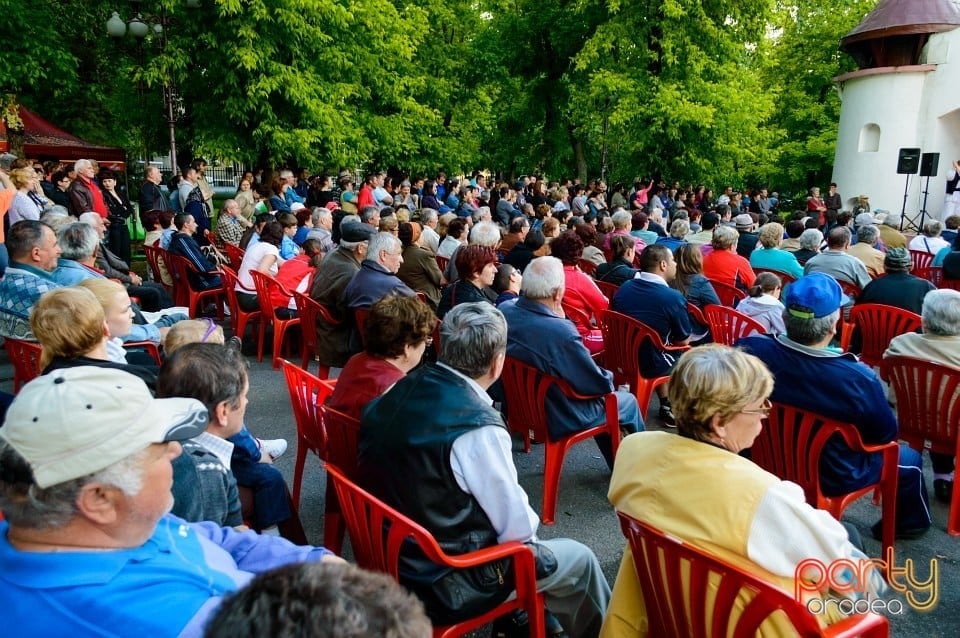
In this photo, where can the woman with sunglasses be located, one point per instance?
(697, 487)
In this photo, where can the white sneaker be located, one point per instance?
(274, 447)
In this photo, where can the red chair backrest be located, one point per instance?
(608, 289)
(179, 267)
(342, 438)
(526, 390)
(25, 357)
(577, 316)
(307, 393)
(791, 442)
(689, 593)
(587, 266)
(230, 281)
(696, 314)
(935, 275)
(729, 295)
(360, 317)
(310, 311)
(154, 254)
(849, 289)
(785, 278)
(377, 533)
(264, 285)
(879, 324)
(622, 337)
(928, 402)
(920, 263)
(235, 254)
(727, 326)
(442, 262)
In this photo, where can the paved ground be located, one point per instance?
(584, 513)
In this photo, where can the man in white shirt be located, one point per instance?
(434, 448)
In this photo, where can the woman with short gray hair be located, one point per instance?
(810, 241)
(929, 241)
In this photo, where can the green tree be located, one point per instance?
(805, 60)
(675, 80)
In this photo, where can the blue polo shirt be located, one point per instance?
(169, 586)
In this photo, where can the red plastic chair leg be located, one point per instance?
(298, 472)
(553, 464)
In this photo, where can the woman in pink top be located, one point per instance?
(581, 296)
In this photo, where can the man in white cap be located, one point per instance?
(88, 546)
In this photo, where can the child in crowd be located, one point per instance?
(763, 303)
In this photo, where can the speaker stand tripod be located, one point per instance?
(911, 222)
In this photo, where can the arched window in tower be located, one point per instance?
(869, 138)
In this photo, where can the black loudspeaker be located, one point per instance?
(909, 161)
(928, 164)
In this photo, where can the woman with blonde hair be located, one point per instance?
(719, 501)
(71, 326)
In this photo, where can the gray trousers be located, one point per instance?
(577, 593)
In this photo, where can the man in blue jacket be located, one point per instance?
(540, 336)
(812, 377)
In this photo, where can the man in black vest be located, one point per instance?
(434, 448)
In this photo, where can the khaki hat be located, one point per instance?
(77, 421)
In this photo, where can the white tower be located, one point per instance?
(905, 95)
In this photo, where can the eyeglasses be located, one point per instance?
(764, 410)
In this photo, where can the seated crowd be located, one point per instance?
(134, 494)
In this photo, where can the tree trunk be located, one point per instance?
(578, 155)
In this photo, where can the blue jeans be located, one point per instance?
(269, 489)
(630, 422)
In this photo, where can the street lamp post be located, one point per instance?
(139, 27)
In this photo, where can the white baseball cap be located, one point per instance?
(77, 421)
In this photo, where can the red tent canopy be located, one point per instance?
(43, 141)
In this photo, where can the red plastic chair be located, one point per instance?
(696, 314)
(878, 324)
(186, 295)
(790, 445)
(582, 319)
(442, 262)
(149, 347)
(928, 410)
(587, 266)
(785, 278)
(342, 435)
(235, 255)
(155, 256)
(310, 312)
(360, 318)
(935, 275)
(377, 533)
(239, 318)
(727, 325)
(729, 295)
(265, 285)
(851, 290)
(307, 393)
(525, 389)
(608, 289)
(622, 338)
(688, 593)
(25, 357)
(920, 263)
